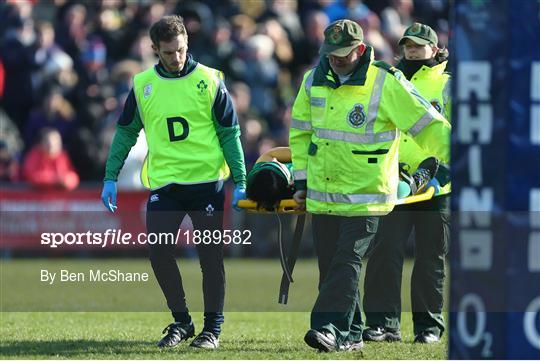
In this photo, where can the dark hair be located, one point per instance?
(442, 55)
(167, 28)
(267, 188)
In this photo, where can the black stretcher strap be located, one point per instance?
(282, 259)
(288, 265)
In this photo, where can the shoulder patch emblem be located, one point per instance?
(357, 116)
(147, 90)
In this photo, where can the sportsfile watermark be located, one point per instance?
(117, 237)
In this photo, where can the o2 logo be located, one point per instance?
(530, 328)
(472, 305)
(479, 334)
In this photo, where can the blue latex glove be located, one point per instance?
(434, 183)
(108, 195)
(238, 195)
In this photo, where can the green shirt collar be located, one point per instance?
(188, 68)
(325, 76)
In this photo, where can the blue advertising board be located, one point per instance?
(495, 252)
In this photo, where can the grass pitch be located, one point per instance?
(255, 326)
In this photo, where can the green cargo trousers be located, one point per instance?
(340, 244)
(382, 299)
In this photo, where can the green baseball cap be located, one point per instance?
(421, 34)
(341, 37)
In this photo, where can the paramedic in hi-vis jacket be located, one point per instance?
(344, 140)
(424, 64)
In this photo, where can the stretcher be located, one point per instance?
(427, 195)
(288, 206)
(285, 206)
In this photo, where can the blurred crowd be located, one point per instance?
(66, 67)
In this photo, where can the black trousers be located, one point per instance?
(382, 300)
(340, 243)
(166, 208)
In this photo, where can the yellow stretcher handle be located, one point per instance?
(288, 205)
(285, 206)
(428, 194)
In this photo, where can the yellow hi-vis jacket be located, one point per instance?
(344, 138)
(433, 83)
(183, 146)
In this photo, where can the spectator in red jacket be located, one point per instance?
(47, 165)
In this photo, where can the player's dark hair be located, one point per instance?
(267, 188)
(167, 29)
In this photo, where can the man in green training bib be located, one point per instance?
(193, 141)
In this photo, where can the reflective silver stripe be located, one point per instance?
(446, 91)
(300, 174)
(299, 124)
(309, 82)
(446, 97)
(355, 137)
(351, 198)
(375, 100)
(421, 123)
(317, 102)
